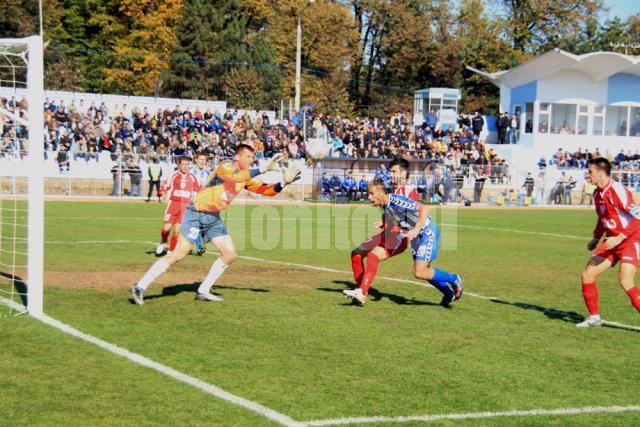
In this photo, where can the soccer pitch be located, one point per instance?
(285, 337)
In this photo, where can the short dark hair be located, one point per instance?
(243, 147)
(201, 155)
(602, 164)
(399, 161)
(183, 158)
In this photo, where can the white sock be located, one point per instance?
(153, 273)
(217, 269)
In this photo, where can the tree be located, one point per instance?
(142, 48)
(483, 48)
(212, 36)
(244, 88)
(329, 41)
(535, 26)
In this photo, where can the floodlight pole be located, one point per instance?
(296, 104)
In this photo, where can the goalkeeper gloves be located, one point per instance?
(271, 165)
(290, 175)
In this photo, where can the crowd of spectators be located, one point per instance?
(76, 130)
(625, 166)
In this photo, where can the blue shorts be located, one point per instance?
(208, 223)
(425, 246)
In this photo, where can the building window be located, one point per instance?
(583, 119)
(435, 104)
(634, 122)
(598, 120)
(543, 117)
(563, 119)
(528, 118)
(616, 121)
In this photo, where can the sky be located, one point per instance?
(622, 8)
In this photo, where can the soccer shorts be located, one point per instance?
(627, 252)
(391, 240)
(174, 213)
(425, 246)
(208, 223)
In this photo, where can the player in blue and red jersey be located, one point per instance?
(416, 226)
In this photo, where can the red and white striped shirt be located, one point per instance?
(409, 191)
(182, 187)
(613, 205)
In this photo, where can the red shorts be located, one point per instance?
(174, 213)
(390, 240)
(627, 252)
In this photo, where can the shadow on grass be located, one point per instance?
(552, 313)
(376, 295)
(19, 285)
(173, 290)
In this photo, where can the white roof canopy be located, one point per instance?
(598, 65)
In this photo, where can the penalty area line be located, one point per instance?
(476, 415)
(428, 286)
(172, 373)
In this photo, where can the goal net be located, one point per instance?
(21, 176)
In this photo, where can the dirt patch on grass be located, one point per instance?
(241, 276)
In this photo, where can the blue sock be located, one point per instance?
(442, 287)
(443, 276)
(199, 242)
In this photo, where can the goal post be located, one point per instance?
(22, 174)
(35, 156)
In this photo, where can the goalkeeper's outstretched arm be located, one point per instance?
(289, 176)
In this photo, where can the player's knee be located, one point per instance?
(588, 276)
(626, 282)
(229, 256)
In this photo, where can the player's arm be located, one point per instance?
(289, 176)
(597, 234)
(423, 217)
(256, 186)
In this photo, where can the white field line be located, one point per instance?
(413, 282)
(172, 373)
(13, 305)
(476, 415)
(471, 227)
(333, 270)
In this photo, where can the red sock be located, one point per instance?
(370, 272)
(174, 241)
(590, 295)
(357, 265)
(634, 294)
(165, 236)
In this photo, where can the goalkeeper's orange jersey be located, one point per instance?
(226, 182)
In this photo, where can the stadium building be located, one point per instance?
(571, 101)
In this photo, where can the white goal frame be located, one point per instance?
(33, 47)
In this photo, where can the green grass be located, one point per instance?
(286, 338)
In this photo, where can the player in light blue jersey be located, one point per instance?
(202, 172)
(415, 223)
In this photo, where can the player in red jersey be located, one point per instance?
(180, 188)
(390, 241)
(618, 222)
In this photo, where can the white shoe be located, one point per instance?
(160, 249)
(208, 297)
(591, 321)
(356, 294)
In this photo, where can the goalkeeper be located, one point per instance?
(203, 216)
